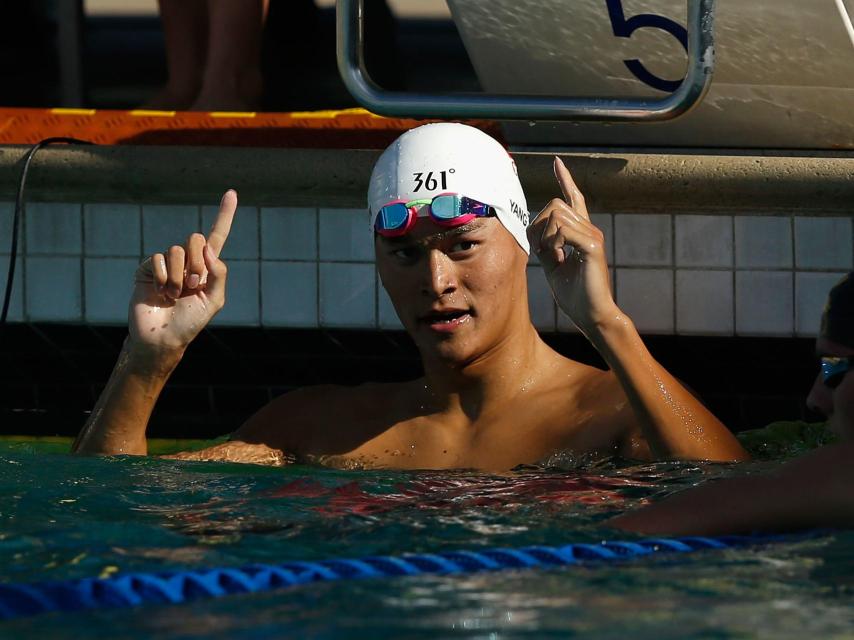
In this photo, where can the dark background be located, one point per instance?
(52, 374)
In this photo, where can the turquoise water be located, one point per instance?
(64, 517)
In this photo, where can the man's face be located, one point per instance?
(837, 404)
(458, 291)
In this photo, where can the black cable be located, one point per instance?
(19, 212)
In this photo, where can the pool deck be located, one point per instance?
(324, 158)
(628, 182)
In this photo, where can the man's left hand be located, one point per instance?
(572, 252)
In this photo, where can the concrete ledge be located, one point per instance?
(618, 182)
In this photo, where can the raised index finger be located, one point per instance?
(570, 190)
(222, 224)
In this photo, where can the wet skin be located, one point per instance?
(493, 396)
(813, 491)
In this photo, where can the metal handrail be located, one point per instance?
(351, 66)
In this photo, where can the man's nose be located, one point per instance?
(440, 276)
(820, 398)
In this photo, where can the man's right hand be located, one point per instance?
(178, 292)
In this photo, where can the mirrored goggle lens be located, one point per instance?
(833, 370)
(446, 207)
(392, 216)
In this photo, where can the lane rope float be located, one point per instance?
(175, 587)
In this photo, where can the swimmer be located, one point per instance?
(812, 491)
(452, 238)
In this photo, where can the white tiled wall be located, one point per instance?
(307, 267)
(764, 303)
(763, 242)
(288, 233)
(605, 222)
(243, 306)
(386, 315)
(704, 302)
(54, 288)
(347, 295)
(540, 300)
(54, 229)
(345, 235)
(643, 241)
(165, 225)
(107, 290)
(112, 230)
(646, 295)
(703, 241)
(289, 294)
(810, 294)
(823, 243)
(243, 239)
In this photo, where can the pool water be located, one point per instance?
(64, 516)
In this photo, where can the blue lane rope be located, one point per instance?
(173, 587)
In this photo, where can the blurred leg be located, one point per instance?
(185, 31)
(232, 78)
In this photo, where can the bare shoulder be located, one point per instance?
(587, 385)
(598, 409)
(296, 419)
(616, 417)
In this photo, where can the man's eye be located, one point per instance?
(406, 254)
(463, 245)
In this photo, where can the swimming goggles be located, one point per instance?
(447, 209)
(833, 370)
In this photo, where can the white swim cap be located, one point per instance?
(449, 157)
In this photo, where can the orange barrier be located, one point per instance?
(346, 129)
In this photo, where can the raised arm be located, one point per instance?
(175, 295)
(571, 249)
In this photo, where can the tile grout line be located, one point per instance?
(614, 254)
(732, 262)
(258, 305)
(794, 276)
(673, 272)
(82, 265)
(25, 312)
(141, 247)
(851, 255)
(318, 320)
(260, 264)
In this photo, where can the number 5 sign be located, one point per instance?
(624, 28)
